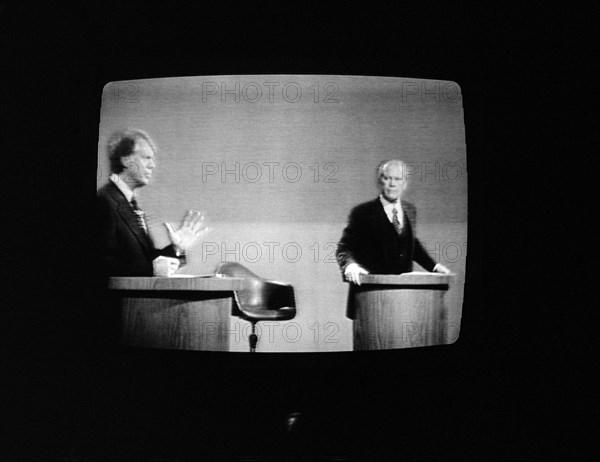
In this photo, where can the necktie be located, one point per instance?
(141, 219)
(395, 221)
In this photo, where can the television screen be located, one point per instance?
(305, 184)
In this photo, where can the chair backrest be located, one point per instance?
(235, 270)
(260, 293)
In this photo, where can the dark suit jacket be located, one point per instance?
(125, 249)
(372, 241)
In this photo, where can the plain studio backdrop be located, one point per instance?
(276, 163)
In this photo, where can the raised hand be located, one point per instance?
(190, 231)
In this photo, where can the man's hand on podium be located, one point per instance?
(165, 266)
(353, 271)
(190, 231)
(439, 268)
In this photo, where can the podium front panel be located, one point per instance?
(176, 313)
(400, 311)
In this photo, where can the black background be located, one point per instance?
(513, 387)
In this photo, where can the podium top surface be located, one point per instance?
(200, 283)
(411, 279)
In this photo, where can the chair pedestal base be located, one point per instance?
(253, 339)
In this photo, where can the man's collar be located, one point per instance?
(119, 183)
(388, 204)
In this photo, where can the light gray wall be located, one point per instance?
(275, 221)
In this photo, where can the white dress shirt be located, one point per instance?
(389, 207)
(129, 195)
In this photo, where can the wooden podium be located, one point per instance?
(400, 311)
(183, 313)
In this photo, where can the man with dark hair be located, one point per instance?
(381, 235)
(125, 243)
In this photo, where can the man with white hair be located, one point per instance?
(380, 236)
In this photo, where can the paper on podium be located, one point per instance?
(181, 275)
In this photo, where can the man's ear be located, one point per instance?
(126, 161)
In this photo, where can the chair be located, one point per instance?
(260, 300)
